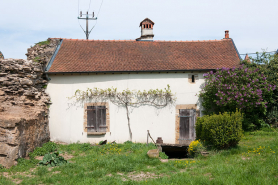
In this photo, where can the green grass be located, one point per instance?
(36, 59)
(253, 161)
(44, 42)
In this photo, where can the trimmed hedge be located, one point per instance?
(221, 131)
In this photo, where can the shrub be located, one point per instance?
(195, 148)
(162, 155)
(44, 42)
(245, 88)
(128, 142)
(53, 160)
(220, 131)
(46, 148)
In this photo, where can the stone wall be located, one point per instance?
(24, 103)
(1, 55)
(42, 51)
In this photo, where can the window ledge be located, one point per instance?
(96, 133)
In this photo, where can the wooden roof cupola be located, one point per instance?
(146, 30)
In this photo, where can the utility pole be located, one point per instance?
(87, 32)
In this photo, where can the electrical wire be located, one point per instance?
(258, 53)
(78, 19)
(99, 8)
(89, 5)
(97, 17)
(88, 11)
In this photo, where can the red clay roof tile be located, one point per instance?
(112, 56)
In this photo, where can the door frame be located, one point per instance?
(177, 122)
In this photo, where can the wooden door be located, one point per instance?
(187, 125)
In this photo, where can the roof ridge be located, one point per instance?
(131, 40)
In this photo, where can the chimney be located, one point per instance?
(227, 34)
(247, 58)
(146, 30)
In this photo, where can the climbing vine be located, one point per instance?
(158, 98)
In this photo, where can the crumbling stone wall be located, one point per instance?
(1, 55)
(24, 103)
(23, 109)
(42, 51)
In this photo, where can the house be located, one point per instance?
(140, 64)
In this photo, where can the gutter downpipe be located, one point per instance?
(52, 59)
(236, 50)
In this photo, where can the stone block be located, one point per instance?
(153, 153)
(26, 82)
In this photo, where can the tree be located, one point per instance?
(267, 63)
(245, 88)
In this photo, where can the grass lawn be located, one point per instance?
(254, 161)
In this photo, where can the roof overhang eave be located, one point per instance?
(145, 71)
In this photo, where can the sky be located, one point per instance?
(252, 23)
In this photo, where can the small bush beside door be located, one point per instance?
(220, 131)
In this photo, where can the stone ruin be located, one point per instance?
(24, 103)
(1, 55)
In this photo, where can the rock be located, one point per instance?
(37, 70)
(21, 128)
(28, 69)
(153, 153)
(29, 103)
(3, 79)
(26, 82)
(7, 83)
(29, 93)
(164, 160)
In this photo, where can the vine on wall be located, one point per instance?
(158, 98)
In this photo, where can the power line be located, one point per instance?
(97, 16)
(89, 5)
(259, 52)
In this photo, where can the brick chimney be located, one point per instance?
(247, 58)
(227, 36)
(146, 30)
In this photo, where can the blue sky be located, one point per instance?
(252, 23)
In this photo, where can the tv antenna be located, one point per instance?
(87, 18)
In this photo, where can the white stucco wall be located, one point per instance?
(66, 119)
(146, 31)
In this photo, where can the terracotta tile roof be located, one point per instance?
(121, 56)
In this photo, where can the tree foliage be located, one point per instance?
(267, 63)
(244, 88)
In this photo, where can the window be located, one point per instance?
(193, 79)
(96, 119)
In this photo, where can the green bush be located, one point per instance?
(162, 155)
(220, 131)
(46, 148)
(195, 148)
(53, 160)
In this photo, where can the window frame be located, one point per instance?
(190, 79)
(97, 130)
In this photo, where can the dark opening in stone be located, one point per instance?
(176, 152)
